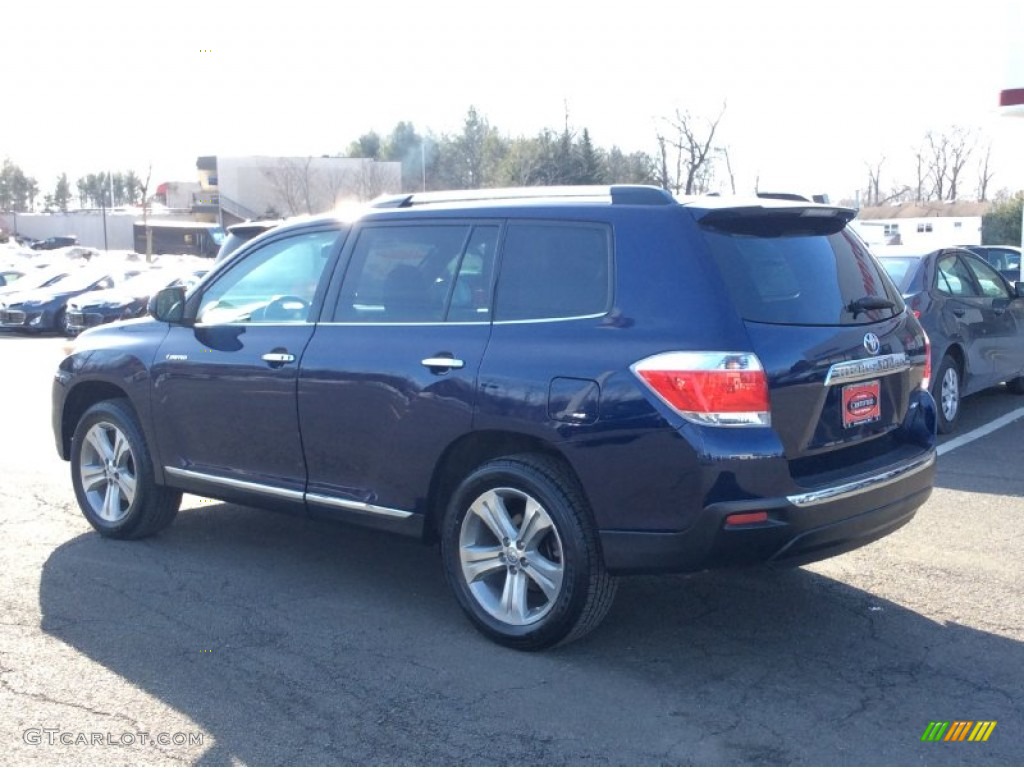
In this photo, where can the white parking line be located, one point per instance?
(974, 434)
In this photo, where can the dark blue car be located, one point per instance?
(559, 386)
(44, 309)
(974, 318)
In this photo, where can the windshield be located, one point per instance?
(84, 280)
(902, 270)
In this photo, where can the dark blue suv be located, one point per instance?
(557, 385)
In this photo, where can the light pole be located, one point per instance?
(423, 163)
(1011, 98)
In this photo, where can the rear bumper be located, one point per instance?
(801, 528)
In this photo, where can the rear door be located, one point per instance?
(841, 355)
(965, 316)
(1003, 315)
(389, 382)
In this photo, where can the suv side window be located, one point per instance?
(424, 273)
(274, 284)
(554, 271)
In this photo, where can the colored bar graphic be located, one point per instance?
(982, 730)
(958, 730)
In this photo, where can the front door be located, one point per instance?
(224, 389)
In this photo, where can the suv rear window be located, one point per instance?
(801, 279)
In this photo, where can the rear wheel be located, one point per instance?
(522, 555)
(112, 475)
(947, 394)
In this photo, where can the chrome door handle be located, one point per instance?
(443, 362)
(278, 357)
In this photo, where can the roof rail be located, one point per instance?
(620, 194)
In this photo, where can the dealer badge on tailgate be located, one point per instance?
(861, 403)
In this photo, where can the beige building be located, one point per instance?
(239, 188)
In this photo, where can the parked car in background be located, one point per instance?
(8, 276)
(39, 278)
(128, 300)
(1005, 258)
(53, 242)
(239, 234)
(44, 309)
(974, 319)
(558, 385)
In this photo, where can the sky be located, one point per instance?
(810, 93)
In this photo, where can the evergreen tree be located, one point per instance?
(1002, 224)
(62, 194)
(368, 145)
(591, 164)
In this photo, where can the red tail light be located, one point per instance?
(717, 388)
(926, 380)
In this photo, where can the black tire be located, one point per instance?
(564, 592)
(112, 474)
(946, 391)
(60, 322)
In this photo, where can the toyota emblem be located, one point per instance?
(871, 343)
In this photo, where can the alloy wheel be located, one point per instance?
(108, 472)
(511, 556)
(950, 394)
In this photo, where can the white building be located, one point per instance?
(924, 226)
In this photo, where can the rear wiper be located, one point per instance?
(867, 303)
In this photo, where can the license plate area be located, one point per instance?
(862, 403)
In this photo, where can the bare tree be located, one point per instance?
(984, 174)
(728, 169)
(944, 157)
(874, 192)
(920, 175)
(937, 159)
(689, 147)
(293, 182)
(369, 181)
(961, 145)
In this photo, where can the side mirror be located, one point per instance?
(168, 305)
(3, 281)
(1018, 290)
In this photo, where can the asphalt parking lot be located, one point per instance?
(244, 637)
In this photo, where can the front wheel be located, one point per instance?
(522, 556)
(112, 474)
(947, 394)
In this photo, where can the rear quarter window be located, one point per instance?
(552, 271)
